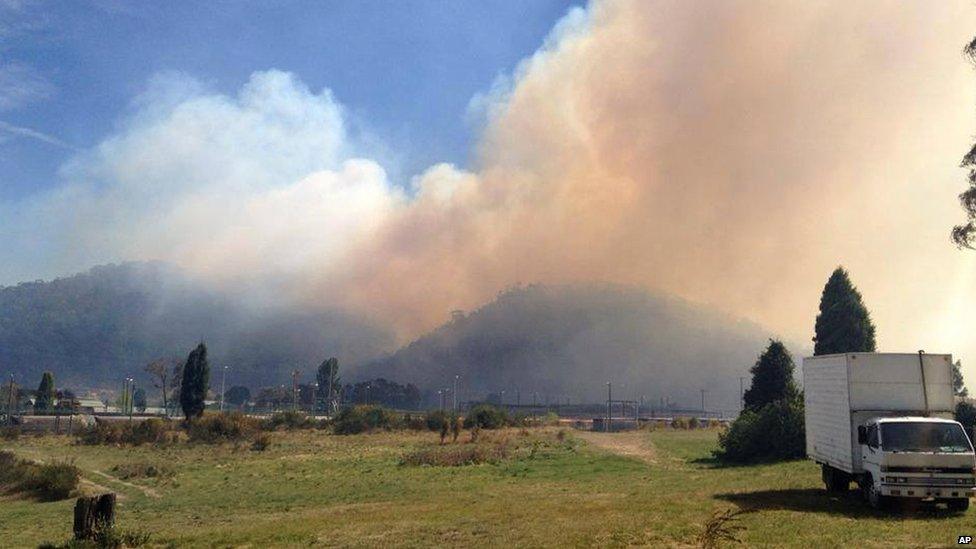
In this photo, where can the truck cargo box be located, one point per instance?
(841, 391)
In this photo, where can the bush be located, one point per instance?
(150, 431)
(679, 423)
(775, 432)
(51, 481)
(694, 423)
(414, 422)
(436, 419)
(290, 420)
(486, 416)
(455, 455)
(216, 428)
(10, 432)
(261, 442)
(362, 418)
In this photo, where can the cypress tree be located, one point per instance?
(772, 377)
(45, 393)
(844, 323)
(195, 382)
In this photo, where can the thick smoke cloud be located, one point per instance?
(729, 153)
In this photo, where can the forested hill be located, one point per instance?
(94, 329)
(568, 341)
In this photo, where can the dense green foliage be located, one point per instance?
(773, 432)
(772, 377)
(237, 395)
(330, 384)
(486, 416)
(771, 425)
(195, 383)
(352, 420)
(44, 400)
(844, 323)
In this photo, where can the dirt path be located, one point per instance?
(633, 444)
(144, 489)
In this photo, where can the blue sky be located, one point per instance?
(405, 71)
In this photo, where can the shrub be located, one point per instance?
(455, 455)
(362, 418)
(51, 481)
(486, 416)
(694, 423)
(290, 420)
(10, 432)
(775, 432)
(414, 422)
(150, 431)
(436, 418)
(261, 442)
(216, 428)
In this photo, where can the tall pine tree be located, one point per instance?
(195, 382)
(45, 393)
(844, 323)
(772, 377)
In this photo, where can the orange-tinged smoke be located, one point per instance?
(732, 153)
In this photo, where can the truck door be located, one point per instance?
(871, 451)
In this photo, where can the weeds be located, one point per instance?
(48, 481)
(722, 527)
(142, 469)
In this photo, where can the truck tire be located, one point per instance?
(836, 481)
(959, 505)
(873, 496)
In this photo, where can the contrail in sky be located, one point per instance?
(34, 134)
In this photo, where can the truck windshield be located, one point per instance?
(924, 437)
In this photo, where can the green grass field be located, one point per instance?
(315, 489)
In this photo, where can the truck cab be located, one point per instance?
(921, 458)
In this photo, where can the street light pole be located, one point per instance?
(454, 394)
(223, 376)
(742, 395)
(609, 410)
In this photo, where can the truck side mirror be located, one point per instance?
(862, 434)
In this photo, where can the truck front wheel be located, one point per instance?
(835, 480)
(958, 505)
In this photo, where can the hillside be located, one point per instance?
(568, 341)
(94, 329)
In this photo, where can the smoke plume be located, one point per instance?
(731, 153)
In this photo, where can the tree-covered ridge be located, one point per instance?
(96, 328)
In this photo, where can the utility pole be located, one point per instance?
(609, 410)
(703, 400)
(223, 377)
(518, 397)
(315, 387)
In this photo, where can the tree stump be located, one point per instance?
(93, 514)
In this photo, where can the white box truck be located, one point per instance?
(884, 421)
